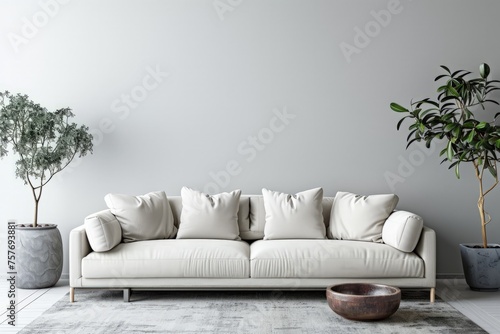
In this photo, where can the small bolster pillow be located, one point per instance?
(402, 230)
(103, 231)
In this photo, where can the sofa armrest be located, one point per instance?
(426, 249)
(79, 247)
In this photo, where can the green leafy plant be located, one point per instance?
(451, 118)
(45, 142)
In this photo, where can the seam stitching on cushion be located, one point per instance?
(403, 231)
(334, 258)
(105, 234)
(108, 243)
(180, 259)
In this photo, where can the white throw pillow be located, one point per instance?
(297, 216)
(356, 217)
(103, 231)
(402, 230)
(144, 217)
(209, 216)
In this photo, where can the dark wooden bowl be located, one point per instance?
(363, 301)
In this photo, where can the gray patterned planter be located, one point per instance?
(39, 256)
(481, 266)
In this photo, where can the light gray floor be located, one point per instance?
(481, 307)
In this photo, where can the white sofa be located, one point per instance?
(250, 263)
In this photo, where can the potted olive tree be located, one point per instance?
(451, 120)
(44, 143)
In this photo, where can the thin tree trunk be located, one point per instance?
(35, 222)
(480, 205)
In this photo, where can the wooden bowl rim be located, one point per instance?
(395, 290)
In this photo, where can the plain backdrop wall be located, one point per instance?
(218, 95)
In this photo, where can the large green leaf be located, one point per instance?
(446, 69)
(428, 142)
(469, 124)
(451, 90)
(457, 170)
(491, 101)
(449, 151)
(448, 98)
(401, 122)
(456, 73)
(398, 108)
(412, 141)
(411, 134)
(416, 112)
(450, 127)
(492, 171)
(484, 70)
(440, 77)
(464, 74)
(470, 136)
(490, 89)
(441, 88)
(456, 132)
(481, 125)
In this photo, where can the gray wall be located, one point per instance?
(189, 92)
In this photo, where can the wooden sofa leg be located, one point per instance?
(71, 295)
(433, 295)
(126, 295)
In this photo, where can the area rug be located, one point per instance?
(290, 312)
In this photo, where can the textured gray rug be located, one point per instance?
(100, 311)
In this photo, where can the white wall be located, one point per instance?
(220, 79)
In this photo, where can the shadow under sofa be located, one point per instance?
(247, 264)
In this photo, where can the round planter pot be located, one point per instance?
(39, 256)
(481, 266)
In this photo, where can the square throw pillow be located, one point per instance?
(144, 217)
(298, 216)
(356, 217)
(209, 216)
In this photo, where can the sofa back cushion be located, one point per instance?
(206, 216)
(298, 216)
(144, 217)
(356, 217)
(251, 214)
(252, 217)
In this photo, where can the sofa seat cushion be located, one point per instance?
(170, 258)
(331, 258)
